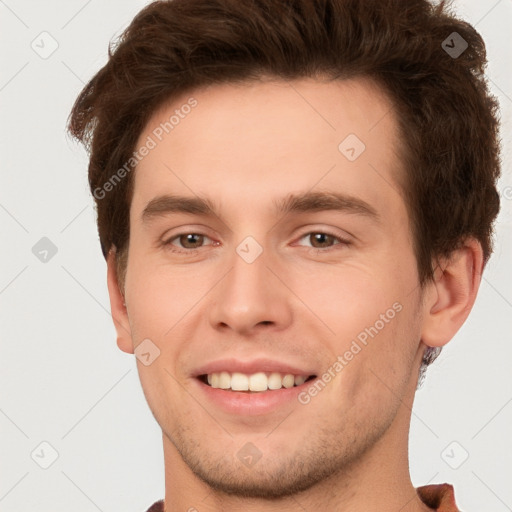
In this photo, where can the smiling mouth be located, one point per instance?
(256, 382)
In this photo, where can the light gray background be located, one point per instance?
(63, 380)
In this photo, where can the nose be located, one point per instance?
(251, 298)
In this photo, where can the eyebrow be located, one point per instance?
(166, 204)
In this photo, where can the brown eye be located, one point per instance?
(191, 240)
(321, 240)
(188, 243)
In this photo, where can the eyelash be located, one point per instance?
(317, 250)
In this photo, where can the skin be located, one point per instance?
(243, 147)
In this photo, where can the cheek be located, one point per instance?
(374, 327)
(376, 374)
(349, 299)
(160, 295)
(158, 307)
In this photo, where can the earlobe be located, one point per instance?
(118, 306)
(452, 294)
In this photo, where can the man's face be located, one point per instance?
(311, 290)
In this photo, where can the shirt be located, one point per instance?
(440, 497)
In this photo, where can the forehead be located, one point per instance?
(267, 138)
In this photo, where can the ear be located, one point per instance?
(118, 306)
(451, 295)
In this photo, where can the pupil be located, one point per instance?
(321, 238)
(191, 239)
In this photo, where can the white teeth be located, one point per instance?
(239, 382)
(259, 381)
(299, 379)
(275, 381)
(288, 381)
(224, 380)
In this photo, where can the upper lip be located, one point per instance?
(251, 366)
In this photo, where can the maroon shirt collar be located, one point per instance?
(440, 497)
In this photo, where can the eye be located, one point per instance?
(323, 240)
(187, 241)
(191, 242)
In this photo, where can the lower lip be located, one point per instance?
(252, 403)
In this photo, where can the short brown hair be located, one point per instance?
(447, 119)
